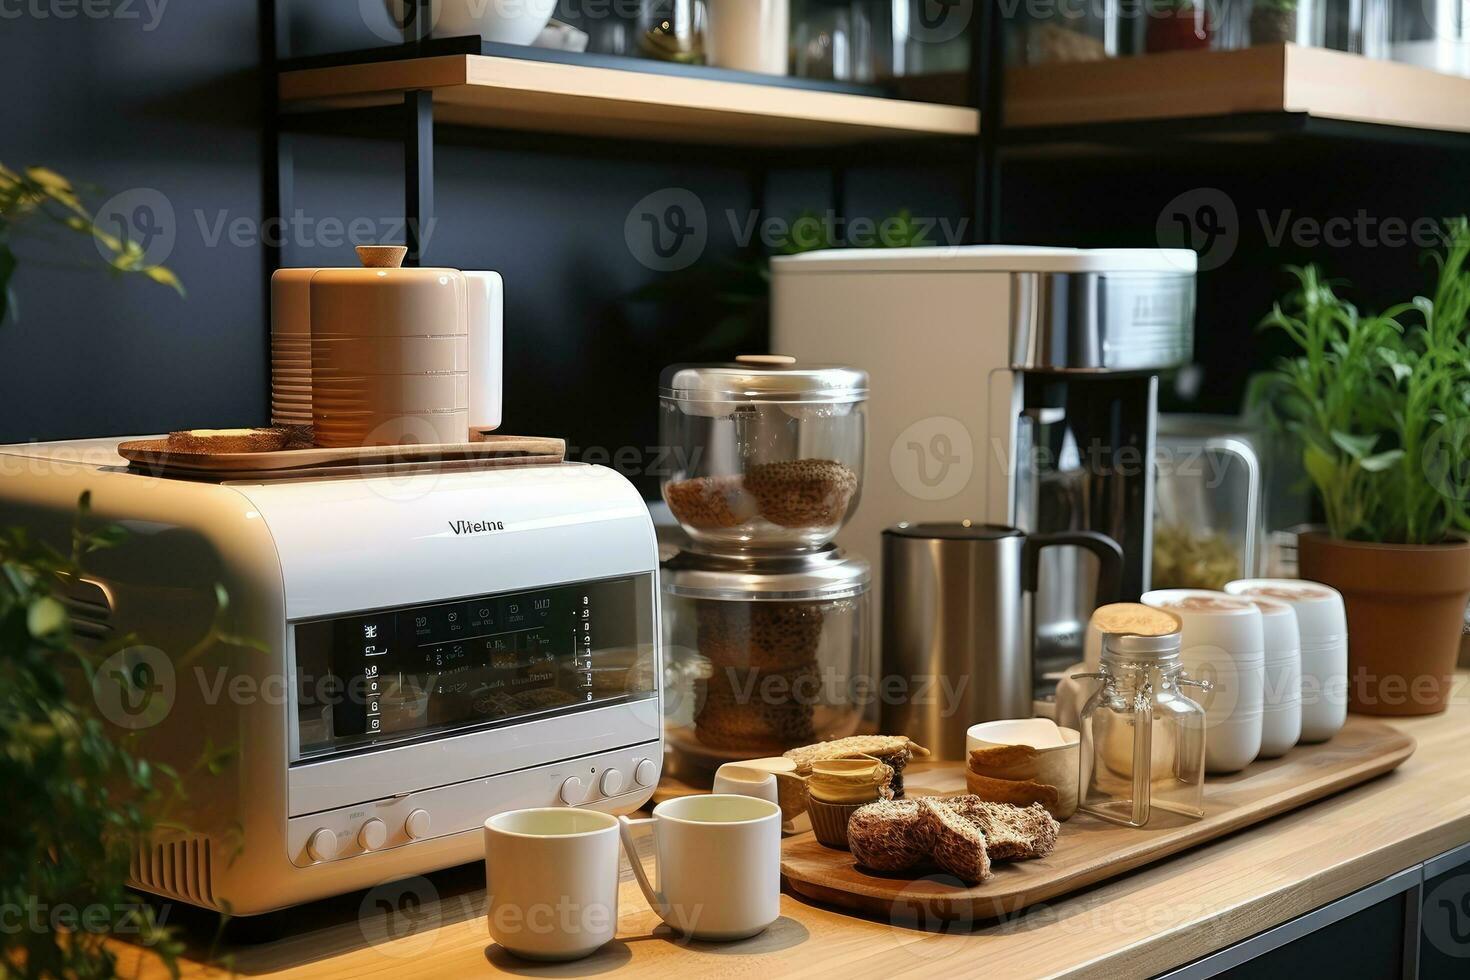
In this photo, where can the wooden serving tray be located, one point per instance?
(155, 457)
(1090, 850)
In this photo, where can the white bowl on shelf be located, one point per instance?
(501, 21)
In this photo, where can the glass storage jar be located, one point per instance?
(1143, 741)
(1356, 26)
(763, 655)
(833, 40)
(672, 30)
(763, 454)
(1432, 34)
(1208, 506)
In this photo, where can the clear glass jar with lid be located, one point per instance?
(763, 454)
(763, 654)
(1143, 740)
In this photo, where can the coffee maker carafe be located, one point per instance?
(1018, 384)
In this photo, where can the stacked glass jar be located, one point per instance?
(766, 622)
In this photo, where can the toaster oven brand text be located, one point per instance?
(476, 527)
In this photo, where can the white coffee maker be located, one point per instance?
(1009, 385)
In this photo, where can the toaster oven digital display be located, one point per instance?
(497, 659)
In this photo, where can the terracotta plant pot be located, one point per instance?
(1406, 613)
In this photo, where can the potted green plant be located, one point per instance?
(79, 799)
(1380, 407)
(1273, 21)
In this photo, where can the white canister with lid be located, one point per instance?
(1224, 643)
(1281, 726)
(1322, 622)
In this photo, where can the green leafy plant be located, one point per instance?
(1379, 405)
(43, 196)
(79, 799)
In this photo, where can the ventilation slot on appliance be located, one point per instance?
(179, 869)
(90, 608)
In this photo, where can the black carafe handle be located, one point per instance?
(1109, 560)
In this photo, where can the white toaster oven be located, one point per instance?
(400, 657)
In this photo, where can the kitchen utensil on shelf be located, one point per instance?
(1143, 741)
(717, 861)
(1322, 623)
(1027, 754)
(500, 21)
(766, 454)
(552, 865)
(1224, 643)
(748, 35)
(835, 40)
(957, 598)
(764, 654)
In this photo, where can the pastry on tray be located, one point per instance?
(961, 834)
(263, 440)
(892, 750)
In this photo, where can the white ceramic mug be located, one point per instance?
(551, 879)
(1322, 623)
(733, 779)
(1224, 642)
(718, 864)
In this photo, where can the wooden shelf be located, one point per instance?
(1322, 84)
(510, 93)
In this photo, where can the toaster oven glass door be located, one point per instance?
(426, 671)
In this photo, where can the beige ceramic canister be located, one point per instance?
(291, 346)
(389, 354)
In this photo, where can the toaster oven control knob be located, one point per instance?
(574, 791)
(417, 824)
(646, 773)
(612, 782)
(322, 845)
(373, 835)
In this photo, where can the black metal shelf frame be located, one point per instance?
(416, 128)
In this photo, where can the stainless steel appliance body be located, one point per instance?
(958, 611)
(1014, 384)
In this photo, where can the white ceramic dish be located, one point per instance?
(1055, 761)
(502, 21)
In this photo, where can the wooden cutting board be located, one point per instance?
(1090, 850)
(154, 456)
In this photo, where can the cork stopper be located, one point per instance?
(382, 256)
(766, 360)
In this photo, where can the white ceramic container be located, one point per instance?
(748, 35)
(1282, 718)
(1322, 623)
(1224, 643)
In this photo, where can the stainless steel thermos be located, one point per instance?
(957, 631)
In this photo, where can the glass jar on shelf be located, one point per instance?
(1432, 34)
(1143, 740)
(672, 30)
(1355, 26)
(833, 40)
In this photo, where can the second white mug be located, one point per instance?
(717, 864)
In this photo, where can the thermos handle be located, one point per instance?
(1109, 560)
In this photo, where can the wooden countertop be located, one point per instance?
(1152, 920)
